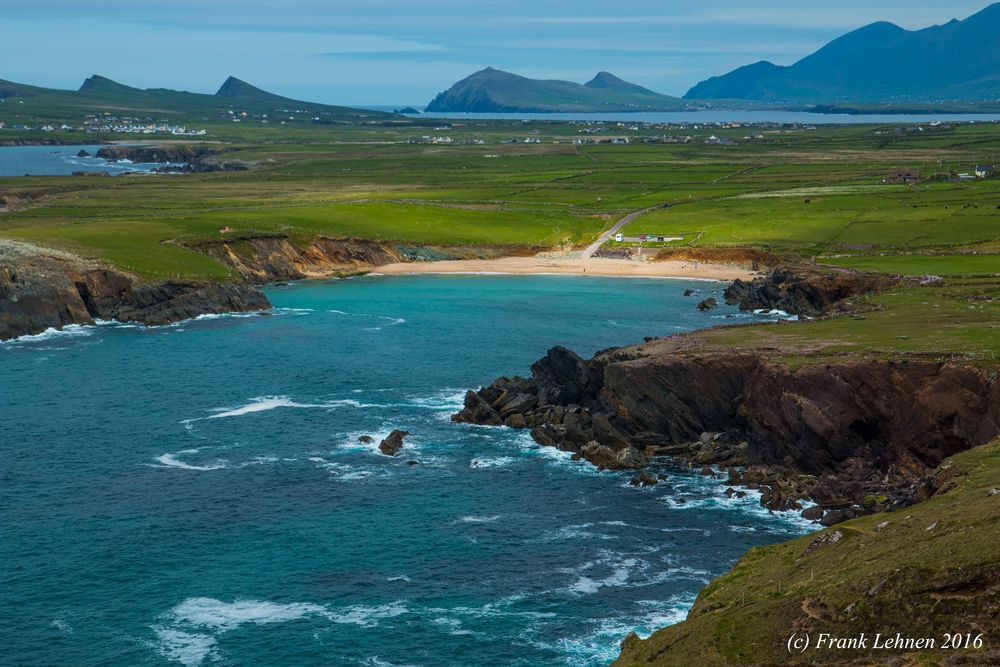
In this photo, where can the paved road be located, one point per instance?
(596, 245)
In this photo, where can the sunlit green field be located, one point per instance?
(815, 194)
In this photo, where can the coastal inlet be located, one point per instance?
(200, 492)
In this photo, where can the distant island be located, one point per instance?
(958, 62)
(495, 91)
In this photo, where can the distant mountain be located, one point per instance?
(495, 91)
(955, 62)
(99, 94)
(237, 89)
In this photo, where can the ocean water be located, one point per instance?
(62, 161)
(197, 494)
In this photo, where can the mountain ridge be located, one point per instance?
(99, 93)
(496, 91)
(958, 61)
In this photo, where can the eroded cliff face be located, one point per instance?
(42, 289)
(270, 258)
(263, 259)
(854, 436)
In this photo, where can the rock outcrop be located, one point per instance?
(393, 444)
(801, 292)
(854, 436)
(158, 153)
(42, 289)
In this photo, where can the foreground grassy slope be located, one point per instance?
(923, 571)
(813, 194)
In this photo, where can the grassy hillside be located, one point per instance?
(925, 571)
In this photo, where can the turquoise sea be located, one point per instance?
(197, 494)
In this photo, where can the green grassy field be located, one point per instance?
(806, 193)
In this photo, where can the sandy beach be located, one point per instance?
(547, 264)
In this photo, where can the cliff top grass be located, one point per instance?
(958, 320)
(922, 571)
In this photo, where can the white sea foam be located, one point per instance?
(479, 519)
(170, 461)
(492, 463)
(62, 626)
(267, 403)
(619, 577)
(68, 331)
(292, 311)
(447, 399)
(188, 648)
(393, 321)
(367, 617)
(228, 316)
(223, 616)
(710, 496)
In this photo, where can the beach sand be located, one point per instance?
(547, 264)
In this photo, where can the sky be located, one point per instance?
(403, 52)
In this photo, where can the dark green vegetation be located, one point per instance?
(33, 107)
(492, 90)
(922, 571)
(958, 61)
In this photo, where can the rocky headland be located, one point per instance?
(899, 455)
(42, 289)
(854, 435)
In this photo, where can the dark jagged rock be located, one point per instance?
(393, 444)
(644, 479)
(802, 292)
(162, 153)
(708, 304)
(42, 289)
(854, 436)
(83, 153)
(366, 440)
(814, 513)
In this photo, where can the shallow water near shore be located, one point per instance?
(197, 494)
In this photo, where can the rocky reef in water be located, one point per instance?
(42, 289)
(854, 436)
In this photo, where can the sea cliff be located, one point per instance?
(853, 436)
(42, 289)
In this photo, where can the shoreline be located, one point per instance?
(550, 265)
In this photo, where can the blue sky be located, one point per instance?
(382, 52)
